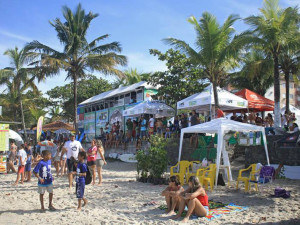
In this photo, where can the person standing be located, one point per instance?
(100, 160)
(91, 159)
(151, 125)
(28, 163)
(22, 156)
(129, 126)
(143, 124)
(72, 148)
(12, 158)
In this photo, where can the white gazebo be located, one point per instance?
(221, 127)
(158, 109)
(204, 100)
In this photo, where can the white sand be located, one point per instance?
(121, 201)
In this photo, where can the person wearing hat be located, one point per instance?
(72, 148)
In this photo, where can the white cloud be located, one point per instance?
(15, 36)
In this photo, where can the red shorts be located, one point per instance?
(21, 169)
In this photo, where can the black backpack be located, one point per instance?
(88, 177)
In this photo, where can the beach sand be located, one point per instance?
(122, 200)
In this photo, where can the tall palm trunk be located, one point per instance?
(287, 90)
(23, 120)
(75, 104)
(276, 91)
(215, 90)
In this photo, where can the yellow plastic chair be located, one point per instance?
(182, 172)
(207, 176)
(246, 179)
(191, 171)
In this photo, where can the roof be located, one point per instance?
(111, 93)
(217, 125)
(256, 101)
(56, 125)
(202, 101)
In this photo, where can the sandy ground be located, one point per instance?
(122, 200)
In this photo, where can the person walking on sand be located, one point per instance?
(22, 156)
(43, 172)
(100, 160)
(91, 159)
(80, 173)
(195, 198)
(28, 163)
(172, 195)
(72, 148)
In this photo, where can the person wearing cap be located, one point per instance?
(72, 148)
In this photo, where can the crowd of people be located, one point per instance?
(288, 121)
(68, 154)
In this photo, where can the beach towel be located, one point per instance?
(216, 210)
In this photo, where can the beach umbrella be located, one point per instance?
(15, 136)
(46, 143)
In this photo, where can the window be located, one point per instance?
(283, 85)
(283, 95)
(291, 96)
(298, 98)
(298, 88)
(291, 85)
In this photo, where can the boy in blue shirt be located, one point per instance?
(43, 172)
(80, 179)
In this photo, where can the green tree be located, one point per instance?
(131, 76)
(79, 55)
(256, 73)
(55, 113)
(216, 51)
(62, 96)
(179, 81)
(270, 31)
(18, 78)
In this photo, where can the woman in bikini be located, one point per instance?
(172, 195)
(100, 160)
(91, 159)
(195, 198)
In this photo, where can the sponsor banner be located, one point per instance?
(39, 128)
(116, 114)
(101, 120)
(148, 93)
(4, 140)
(89, 126)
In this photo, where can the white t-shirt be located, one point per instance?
(73, 148)
(22, 155)
(151, 122)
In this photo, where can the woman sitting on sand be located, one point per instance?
(195, 198)
(172, 195)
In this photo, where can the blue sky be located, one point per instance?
(137, 24)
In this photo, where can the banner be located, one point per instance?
(4, 139)
(101, 120)
(39, 128)
(89, 126)
(116, 114)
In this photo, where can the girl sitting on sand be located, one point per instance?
(195, 198)
(172, 195)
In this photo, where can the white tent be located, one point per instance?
(221, 126)
(203, 101)
(156, 108)
(293, 109)
(15, 136)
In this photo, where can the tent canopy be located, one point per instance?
(256, 102)
(156, 108)
(202, 101)
(15, 136)
(221, 126)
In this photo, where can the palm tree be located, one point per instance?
(270, 31)
(256, 73)
(79, 56)
(215, 52)
(289, 65)
(18, 78)
(55, 113)
(131, 76)
(36, 113)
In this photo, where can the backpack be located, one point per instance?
(280, 192)
(88, 177)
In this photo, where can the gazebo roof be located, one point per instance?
(56, 125)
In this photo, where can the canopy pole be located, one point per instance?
(180, 145)
(266, 146)
(219, 152)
